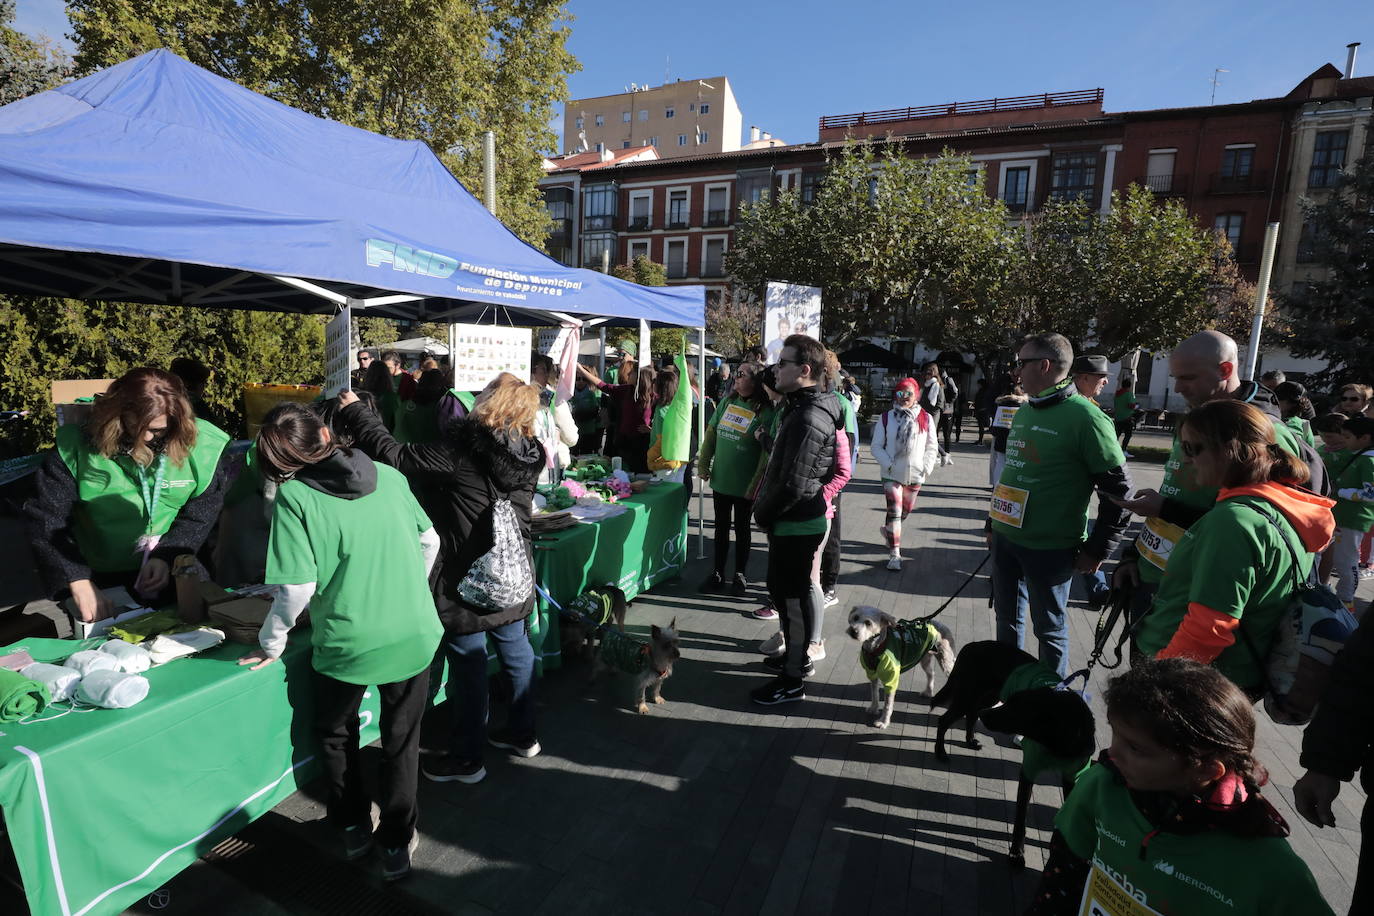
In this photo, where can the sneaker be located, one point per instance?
(714, 584)
(1127, 455)
(449, 768)
(778, 690)
(521, 747)
(778, 663)
(764, 613)
(947, 460)
(396, 862)
(740, 587)
(774, 645)
(816, 651)
(830, 599)
(357, 841)
(894, 562)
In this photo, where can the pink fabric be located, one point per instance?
(844, 469)
(567, 362)
(1364, 547)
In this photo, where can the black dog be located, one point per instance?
(1058, 719)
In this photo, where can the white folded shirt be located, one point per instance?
(88, 660)
(164, 649)
(59, 679)
(132, 659)
(112, 689)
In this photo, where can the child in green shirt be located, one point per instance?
(1353, 473)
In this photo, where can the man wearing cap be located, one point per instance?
(1059, 449)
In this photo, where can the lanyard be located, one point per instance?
(151, 488)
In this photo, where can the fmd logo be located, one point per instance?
(410, 260)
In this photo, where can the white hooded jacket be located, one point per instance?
(912, 464)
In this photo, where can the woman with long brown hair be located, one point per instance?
(123, 494)
(634, 402)
(487, 460)
(349, 539)
(1231, 577)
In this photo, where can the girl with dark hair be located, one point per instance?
(729, 459)
(1297, 411)
(377, 380)
(634, 406)
(349, 539)
(1231, 577)
(1171, 815)
(122, 495)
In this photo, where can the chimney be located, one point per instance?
(1350, 59)
(767, 135)
(754, 132)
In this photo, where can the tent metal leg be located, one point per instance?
(701, 437)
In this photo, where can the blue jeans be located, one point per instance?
(1048, 575)
(467, 685)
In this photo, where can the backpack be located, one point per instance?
(1310, 634)
(501, 577)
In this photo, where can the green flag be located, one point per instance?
(677, 422)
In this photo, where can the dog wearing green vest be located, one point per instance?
(888, 647)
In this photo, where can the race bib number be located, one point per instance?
(1104, 896)
(1009, 505)
(1002, 419)
(737, 417)
(1156, 542)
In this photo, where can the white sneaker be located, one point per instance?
(894, 562)
(947, 460)
(831, 599)
(815, 651)
(774, 645)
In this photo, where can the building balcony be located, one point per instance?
(1238, 184)
(717, 218)
(1323, 176)
(677, 221)
(714, 267)
(1164, 184)
(595, 223)
(639, 223)
(677, 271)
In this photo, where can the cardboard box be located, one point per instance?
(66, 391)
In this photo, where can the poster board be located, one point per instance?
(481, 352)
(338, 348)
(789, 309)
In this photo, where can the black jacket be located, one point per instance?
(1340, 738)
(457, 481)
(802, 459)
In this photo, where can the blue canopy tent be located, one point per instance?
(156, 181)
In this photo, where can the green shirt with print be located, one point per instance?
(1201, 874)
(372, 617)
(1354, 472)
(1234, 561)
(737, 450)
(1041, 500)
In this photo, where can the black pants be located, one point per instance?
(336, 725)
(1363, 897)
(943, 426)
(830, 553)
(1124, 428)
(737, 508)
(796, 599)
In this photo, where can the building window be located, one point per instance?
(1307, 243)
(1016, 188)
(752, 187)
(625, 144)
(1159, 171)
(681, 139)
(559, 204)
(600, 121)
(713, 258)
(810, 187)
(717, 207)
(595, 247)
(639, 249)
(1229, 225)
(581, 122)
(643, 114)
(625, 117)
(703, 136)
(705, 108)
(598, 207)
(668, 112)
(601, 147)
(677, 209)
(676, 259)
(1237, 163)
(640, 204)
(1074, 176)
(1328, 158)
(653, 141)
(691, 106)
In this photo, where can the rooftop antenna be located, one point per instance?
(1215, 81)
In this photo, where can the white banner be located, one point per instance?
(338, 353)
(646, 358)
(789, 309)
(548, 342)
(481, 352)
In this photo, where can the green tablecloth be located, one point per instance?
(635, 551)
(104, 806)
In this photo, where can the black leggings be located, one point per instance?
(830, 552)
(741, 507)
(1124, 428)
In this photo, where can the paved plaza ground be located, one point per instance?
(711, 805)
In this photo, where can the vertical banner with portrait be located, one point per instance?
(481, 352)
(789, 309)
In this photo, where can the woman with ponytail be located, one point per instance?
(1231, 576)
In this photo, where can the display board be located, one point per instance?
(338, 352)
(481, 352)
(789, 309)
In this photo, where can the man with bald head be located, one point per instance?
(1205, 368)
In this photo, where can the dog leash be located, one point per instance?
(1118, 605)
(950, 600)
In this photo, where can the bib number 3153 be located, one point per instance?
(1009, 505)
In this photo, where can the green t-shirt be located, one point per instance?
(1234, 561)
(736, 458)
(1036, 757)
(1302, 429)
(1354, 472)
(1041, 500)
(1211, 873)
(372, 617)
(851, 418)
(1123, 405)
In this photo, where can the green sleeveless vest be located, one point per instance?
(110, 515)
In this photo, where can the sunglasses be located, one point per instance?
(1192, 450)
(787, 362)
(1022, 363)
(903, 394)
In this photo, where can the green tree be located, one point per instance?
(27, 65)
(1333, 317)
(647, 273)
(735, 325)
(440, 71)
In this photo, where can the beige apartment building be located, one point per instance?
(685, 118)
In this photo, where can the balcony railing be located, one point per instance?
(593, 223)
(1164, 184)
(714, 267)
(1015, 103)
(717, 218)
(677, 221)
(639, 222)
(1222, 183)
(677, 271)
(1323, 176)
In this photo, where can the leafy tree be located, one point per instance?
(441, 71)
(642, 271)
(27, 65)
(1333, 317)
(735, 324)
(647, 273)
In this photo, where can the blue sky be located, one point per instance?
(791, 62)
